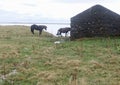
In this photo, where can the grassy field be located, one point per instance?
(27, 59)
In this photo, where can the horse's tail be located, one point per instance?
(32, 29)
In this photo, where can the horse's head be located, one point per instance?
(42, 27)
(45, 27)
(59, 32)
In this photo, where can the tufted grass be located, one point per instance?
(36, 60)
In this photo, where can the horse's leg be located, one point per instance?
(60, 34)
(65, 34)
(40, 32)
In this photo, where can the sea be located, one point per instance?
(51, 27)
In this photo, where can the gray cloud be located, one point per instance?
(28, 4)
(6, 16)
(9, 16)
(41, 12)
(83, 1)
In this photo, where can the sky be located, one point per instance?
(48, 11)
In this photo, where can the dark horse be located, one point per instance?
(38, 27)
(63, 30)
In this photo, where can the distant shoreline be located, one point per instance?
(32, 23)
(52, 27)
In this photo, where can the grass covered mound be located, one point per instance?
(27, 59)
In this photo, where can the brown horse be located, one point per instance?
(38, 27)
(63, 30)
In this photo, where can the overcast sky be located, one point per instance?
(49, 10)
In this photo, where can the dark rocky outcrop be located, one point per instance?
(95, 21)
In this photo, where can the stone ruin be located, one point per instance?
(96, 21)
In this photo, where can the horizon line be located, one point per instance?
(33, 23)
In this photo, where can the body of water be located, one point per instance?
(51, 28)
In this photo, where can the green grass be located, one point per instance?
(38, 61)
